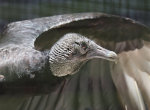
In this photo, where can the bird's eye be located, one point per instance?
(84, 45)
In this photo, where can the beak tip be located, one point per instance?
(113, 56)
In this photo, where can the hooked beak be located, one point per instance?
(100, 52)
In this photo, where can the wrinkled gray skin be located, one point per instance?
(72, 51)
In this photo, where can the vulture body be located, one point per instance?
(98, 85)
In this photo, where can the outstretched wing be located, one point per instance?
(25, 32)
(29, 32)
(126, 37)
(92, 88)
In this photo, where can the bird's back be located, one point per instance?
(18, 61)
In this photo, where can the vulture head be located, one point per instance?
(70, 52)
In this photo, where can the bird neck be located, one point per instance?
(60, 69)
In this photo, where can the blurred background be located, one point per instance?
(14, 10)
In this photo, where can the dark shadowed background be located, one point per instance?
(14, 10)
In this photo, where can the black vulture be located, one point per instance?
(33, 75)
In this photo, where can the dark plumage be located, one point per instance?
(32, 58)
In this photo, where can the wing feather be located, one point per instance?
(25, 32)
(136, 65)
(126, 37)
